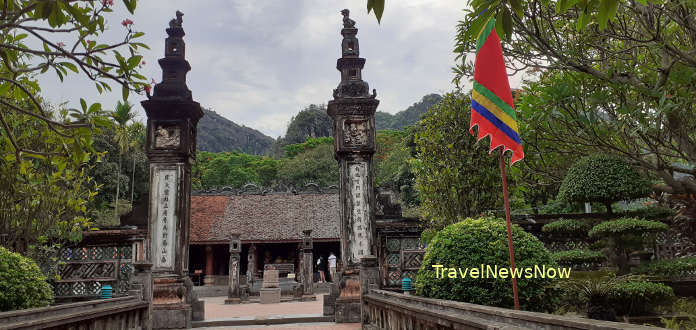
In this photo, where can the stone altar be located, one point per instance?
(270, 291)
(352, 110)
(172, 118)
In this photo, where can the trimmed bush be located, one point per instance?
(625, 236)
(567, 227)
(22, 285)
(626, 226)
(639, 297)
(578, 257)
(674, 268)
(475, 242)
(604, 179)
(653, 213)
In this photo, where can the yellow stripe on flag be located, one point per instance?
(495, 110)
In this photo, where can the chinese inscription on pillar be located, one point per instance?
(361, 224)
(165, 237)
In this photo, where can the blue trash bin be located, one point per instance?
(107, 291)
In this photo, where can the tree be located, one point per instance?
(136, 132)
(621, 86)
(316, 165)
(47, 24)
(121, 116)
(455, 176)
(627, 235)
(45, 186)
(604, 179)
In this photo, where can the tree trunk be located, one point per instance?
(118, 186)
(132, 182)
(608, 205)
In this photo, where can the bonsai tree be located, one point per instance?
(625, 236)
(604, 179)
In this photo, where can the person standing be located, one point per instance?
(332, 266)
(321, 266)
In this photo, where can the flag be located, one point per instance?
(492, 109)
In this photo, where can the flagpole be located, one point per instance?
(511, 249)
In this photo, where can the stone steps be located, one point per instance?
(263, 320)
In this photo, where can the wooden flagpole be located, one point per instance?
(511, 249)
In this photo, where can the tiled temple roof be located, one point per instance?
(259, 217)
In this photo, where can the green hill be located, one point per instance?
(217, 134)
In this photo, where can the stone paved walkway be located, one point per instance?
(295, 326)
(215, 309)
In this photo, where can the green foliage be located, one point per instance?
(408, 117)
(577, 257)
(602, 178)
(312, 121)
(639, 297)
(292, 150)
(625, 236)
(455, 176)
(567, 227)
(653, 213)
(682, 307)
(42, 199)
(22, 285)
(316, 165)
(626, 226)
(672, 268)
(619, 295)
(234, 169)
(473, 242)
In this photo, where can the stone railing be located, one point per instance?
(396, 311)
(115, 313)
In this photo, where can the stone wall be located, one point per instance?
(115, 313)
(389, 310)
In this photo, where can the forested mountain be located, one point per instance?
(217, 133)
(408, 117)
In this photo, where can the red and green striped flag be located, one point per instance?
(492, 108)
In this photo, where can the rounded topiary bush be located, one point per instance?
(639, 297)
(567, 227)
(22, 285)
(475, 242)
(604, 179)
(578, 257)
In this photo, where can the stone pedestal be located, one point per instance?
(330, 300)
(170, 309)
(369, 277)
(270, 295)
(352, 110)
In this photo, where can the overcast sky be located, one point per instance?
(258, 63)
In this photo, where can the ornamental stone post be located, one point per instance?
(352, 110)
(172, 118)
(307, 264)
(233, 296)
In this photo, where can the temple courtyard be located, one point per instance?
(286, 315)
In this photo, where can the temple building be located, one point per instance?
(271, 225)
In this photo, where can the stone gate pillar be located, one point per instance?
(233, 296)
(353, 109)
(172, 118)
(307, 264)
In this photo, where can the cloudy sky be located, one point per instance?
(258, 63)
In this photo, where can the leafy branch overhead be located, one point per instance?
(33, 41)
